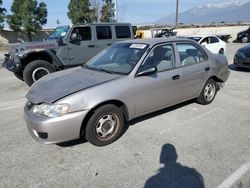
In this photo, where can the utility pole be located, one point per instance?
(177, 14)
(115, 11)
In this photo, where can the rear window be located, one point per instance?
(122, 32)
(103, 32)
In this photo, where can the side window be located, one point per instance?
(103, 32)
(205, 41)
(122, 32)
(214, 40)
(83, 33)
(190, 54)
(162, 57)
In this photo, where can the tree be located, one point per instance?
(80, 12)
(2, 14)
(107, 11)
(27, 16)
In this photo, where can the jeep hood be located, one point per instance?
(63, 83)
(37, 45)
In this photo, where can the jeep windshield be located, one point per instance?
(60, 32)
(120, 58)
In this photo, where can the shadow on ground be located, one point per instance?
(173, 174)
(233, 68)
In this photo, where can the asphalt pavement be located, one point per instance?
(188, 144)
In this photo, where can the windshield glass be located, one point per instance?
(118, 59)
(60, 32)
(197, 39)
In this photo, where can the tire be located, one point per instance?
(244, 40)
(221, 51)
(19, 75)
(208, 92)
(36, 70)
(105, 126)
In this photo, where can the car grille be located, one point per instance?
(29, 105)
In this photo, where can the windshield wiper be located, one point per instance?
(97, 68)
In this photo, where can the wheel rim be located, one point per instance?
(209, 92)
(245, 39)
(39, 73)
(106, 125)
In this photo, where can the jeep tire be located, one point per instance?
(36, 70)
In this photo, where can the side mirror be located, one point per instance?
(147, 72)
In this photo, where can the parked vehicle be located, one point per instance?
(165, 32)
(211, 42)
(71, 47)
(242, 57)
(244, 36)
(125, 81)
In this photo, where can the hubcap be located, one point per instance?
(209, 92)
(39, 73)
(106, 125)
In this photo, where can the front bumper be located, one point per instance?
(10, 64)
(54, 130)
(241, 62)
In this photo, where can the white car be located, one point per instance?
(211, 42)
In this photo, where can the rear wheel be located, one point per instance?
(244, 40)
(221, 51)
(208, 92)
(105, 126)
(36, 70)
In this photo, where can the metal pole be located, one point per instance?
(177, 14)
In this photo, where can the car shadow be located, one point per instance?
(160, 112)
(173, 174)
(132, 122)
(233, 68)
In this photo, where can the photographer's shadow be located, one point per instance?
(173, 174)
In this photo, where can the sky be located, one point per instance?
(133, 11)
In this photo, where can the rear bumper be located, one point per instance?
(54, 130)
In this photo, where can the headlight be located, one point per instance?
(51, 110)
(240, 54)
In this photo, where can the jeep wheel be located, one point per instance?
(19, 75)
(36, 70)
(244, 40)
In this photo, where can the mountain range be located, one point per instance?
(232, 11)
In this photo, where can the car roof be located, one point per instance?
(154, 41)
(200, 36)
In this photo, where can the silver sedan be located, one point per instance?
(125, 81)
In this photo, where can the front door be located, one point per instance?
(161, 89)
(81, 50)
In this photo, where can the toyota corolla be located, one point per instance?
(127, 80)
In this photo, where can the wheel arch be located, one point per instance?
(117, 103)
(44, 55)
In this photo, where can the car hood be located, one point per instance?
(60, 84)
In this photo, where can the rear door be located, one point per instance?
(194, 67)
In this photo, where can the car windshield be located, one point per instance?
(120, 58)
(197, 39)
(59, 32)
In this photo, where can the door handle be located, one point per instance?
(109, 44)
(207, 69)
(91, 46)
(176, 77)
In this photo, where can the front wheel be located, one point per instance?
(244, 40)
(36, 70)
(208, 92)
(105, 126)
(19, 75)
